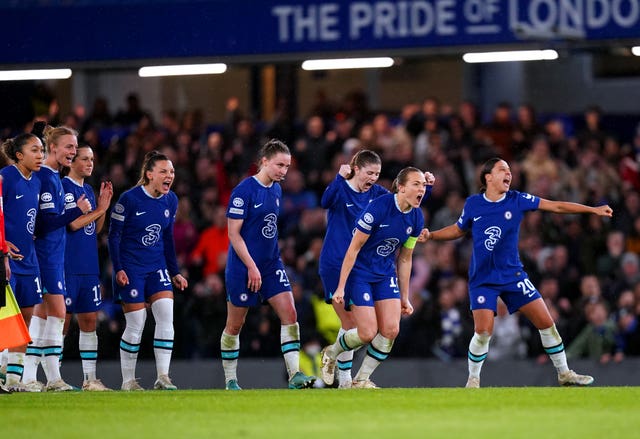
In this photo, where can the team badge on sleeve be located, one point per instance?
(118, 210)
(237, 206)
(366, 221)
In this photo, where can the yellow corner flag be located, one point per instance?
(13, 330)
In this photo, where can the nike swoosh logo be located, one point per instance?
(140, 213)
(349, 204)
(255, 206)
(166, 284)
(476, 218)
(532, 294)
(384, 225)
(396, 291)
(19, 196)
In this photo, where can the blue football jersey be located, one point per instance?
(20, 197)
(50, 245)
(81, 250)
(258, 206)
(495, 227)
(388, 229)
(344, 204)
(141, 232)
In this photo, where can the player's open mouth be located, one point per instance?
(166, 185)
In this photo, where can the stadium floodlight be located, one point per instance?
(24, 75)
(182, 70)
(507, 56)
(347, 63)
(635, 50)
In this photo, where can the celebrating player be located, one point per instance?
(82, 272)
(377, 292)
(144, 265)
(493, 216)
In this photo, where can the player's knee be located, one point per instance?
(390, 332)
(135, 319)
(163, 310)
(483, 337)
(367, 334)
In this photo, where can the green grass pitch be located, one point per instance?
(524, 412)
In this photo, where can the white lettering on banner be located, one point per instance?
(387, 19)
(481, 13)
(401, 19)
(571, 18)
(313, 23)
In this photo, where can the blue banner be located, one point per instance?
(57, 31)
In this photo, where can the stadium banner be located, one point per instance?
(38, 31)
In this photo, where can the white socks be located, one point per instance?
(230, 351)
(478, 350)
(52, 348)
(377, 351)
(553, 346)
(163, 335)
(130, 343)
(290, 346)
(88, 345)
(344, 362)
(34, 349)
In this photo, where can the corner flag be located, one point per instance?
(13, 330)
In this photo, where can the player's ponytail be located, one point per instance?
(150, 160)
(11, 147)
(361, 159)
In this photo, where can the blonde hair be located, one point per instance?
(51, 135)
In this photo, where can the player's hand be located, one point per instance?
(255, 279)
(83, 204)
(430, 178)
(106, 192)
(424, 235)
(604, 211)
(338, 295)
(180, 282)
(344, 171)
(406, 308)
(121, 278)
(14, 252)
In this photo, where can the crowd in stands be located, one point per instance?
(587, 268)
